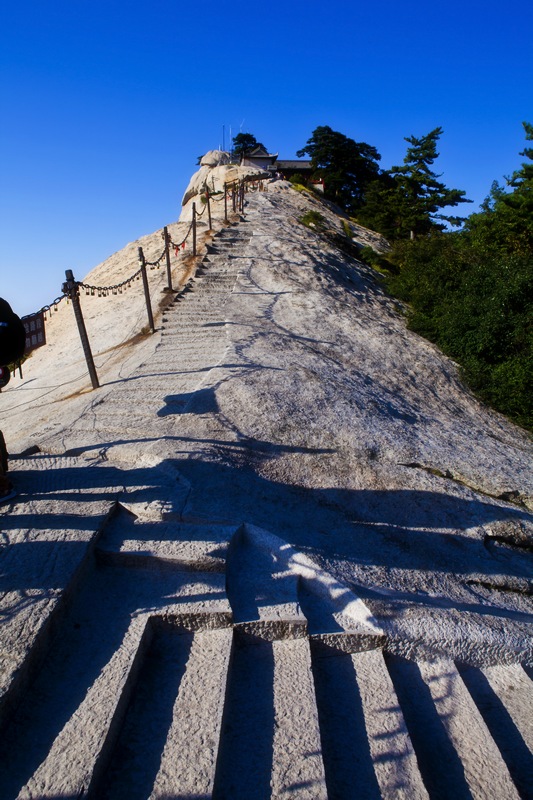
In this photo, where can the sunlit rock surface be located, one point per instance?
(281, 551)
(215, 173)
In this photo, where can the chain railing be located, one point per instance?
(105, 291)
(71, 288)
(44, 310)
(34, 326)
(47, 309)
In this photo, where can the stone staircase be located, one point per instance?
(197, 658)
(192, 342)
(185, 667)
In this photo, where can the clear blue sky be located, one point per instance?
(106, 105)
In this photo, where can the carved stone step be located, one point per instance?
(485, 770)
(270, 737)
(270, 584)
(37, 569)
(190, 755)
(366, 746)
(455, 750)
(232, 236)
(65, 732)
(220, 279)
(169, 743)
(193, 321)
(67, 755)
(264, 600)
(129, 542)
(504, 697)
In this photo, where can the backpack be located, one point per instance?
(12, 335)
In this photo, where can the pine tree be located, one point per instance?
(346, 166)
(471, 292)
(244, 143)
(505, 223)
(419, 194)
(382, 207)
(520, 200)
(523, 178)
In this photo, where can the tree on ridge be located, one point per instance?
(244, 143)
(346, 166)
(407, 200)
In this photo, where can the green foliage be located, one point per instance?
(505, 224)
(523, 178)
(346, 166)
(406, 200)
(376, 260)
(475, 302)
(314, 219)
(347, 229)
(299, 187)
(472, 293)
(297, 179)
(244, 143)
(381, 210)
(469, 291)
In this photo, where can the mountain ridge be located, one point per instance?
(282, 415)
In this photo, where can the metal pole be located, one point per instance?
(225, 203)
(70, 288)
(167, 256)
(194, 229)
(208, 209)
(234, 199)
(146, 290)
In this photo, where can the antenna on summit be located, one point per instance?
(224, 138)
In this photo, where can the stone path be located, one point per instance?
(149, 651)
(192, 343)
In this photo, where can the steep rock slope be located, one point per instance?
(294, 397)
(273, 554)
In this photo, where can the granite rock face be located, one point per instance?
(280, 552)
(215, 158)
(215, 172)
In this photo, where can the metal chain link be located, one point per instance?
(157, 262)
(116, 288)
(46, 309)
(173, 244)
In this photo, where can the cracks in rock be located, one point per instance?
(430, 470)
(512, 496)
(510, 543)
(516, 585)
(511, 540)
